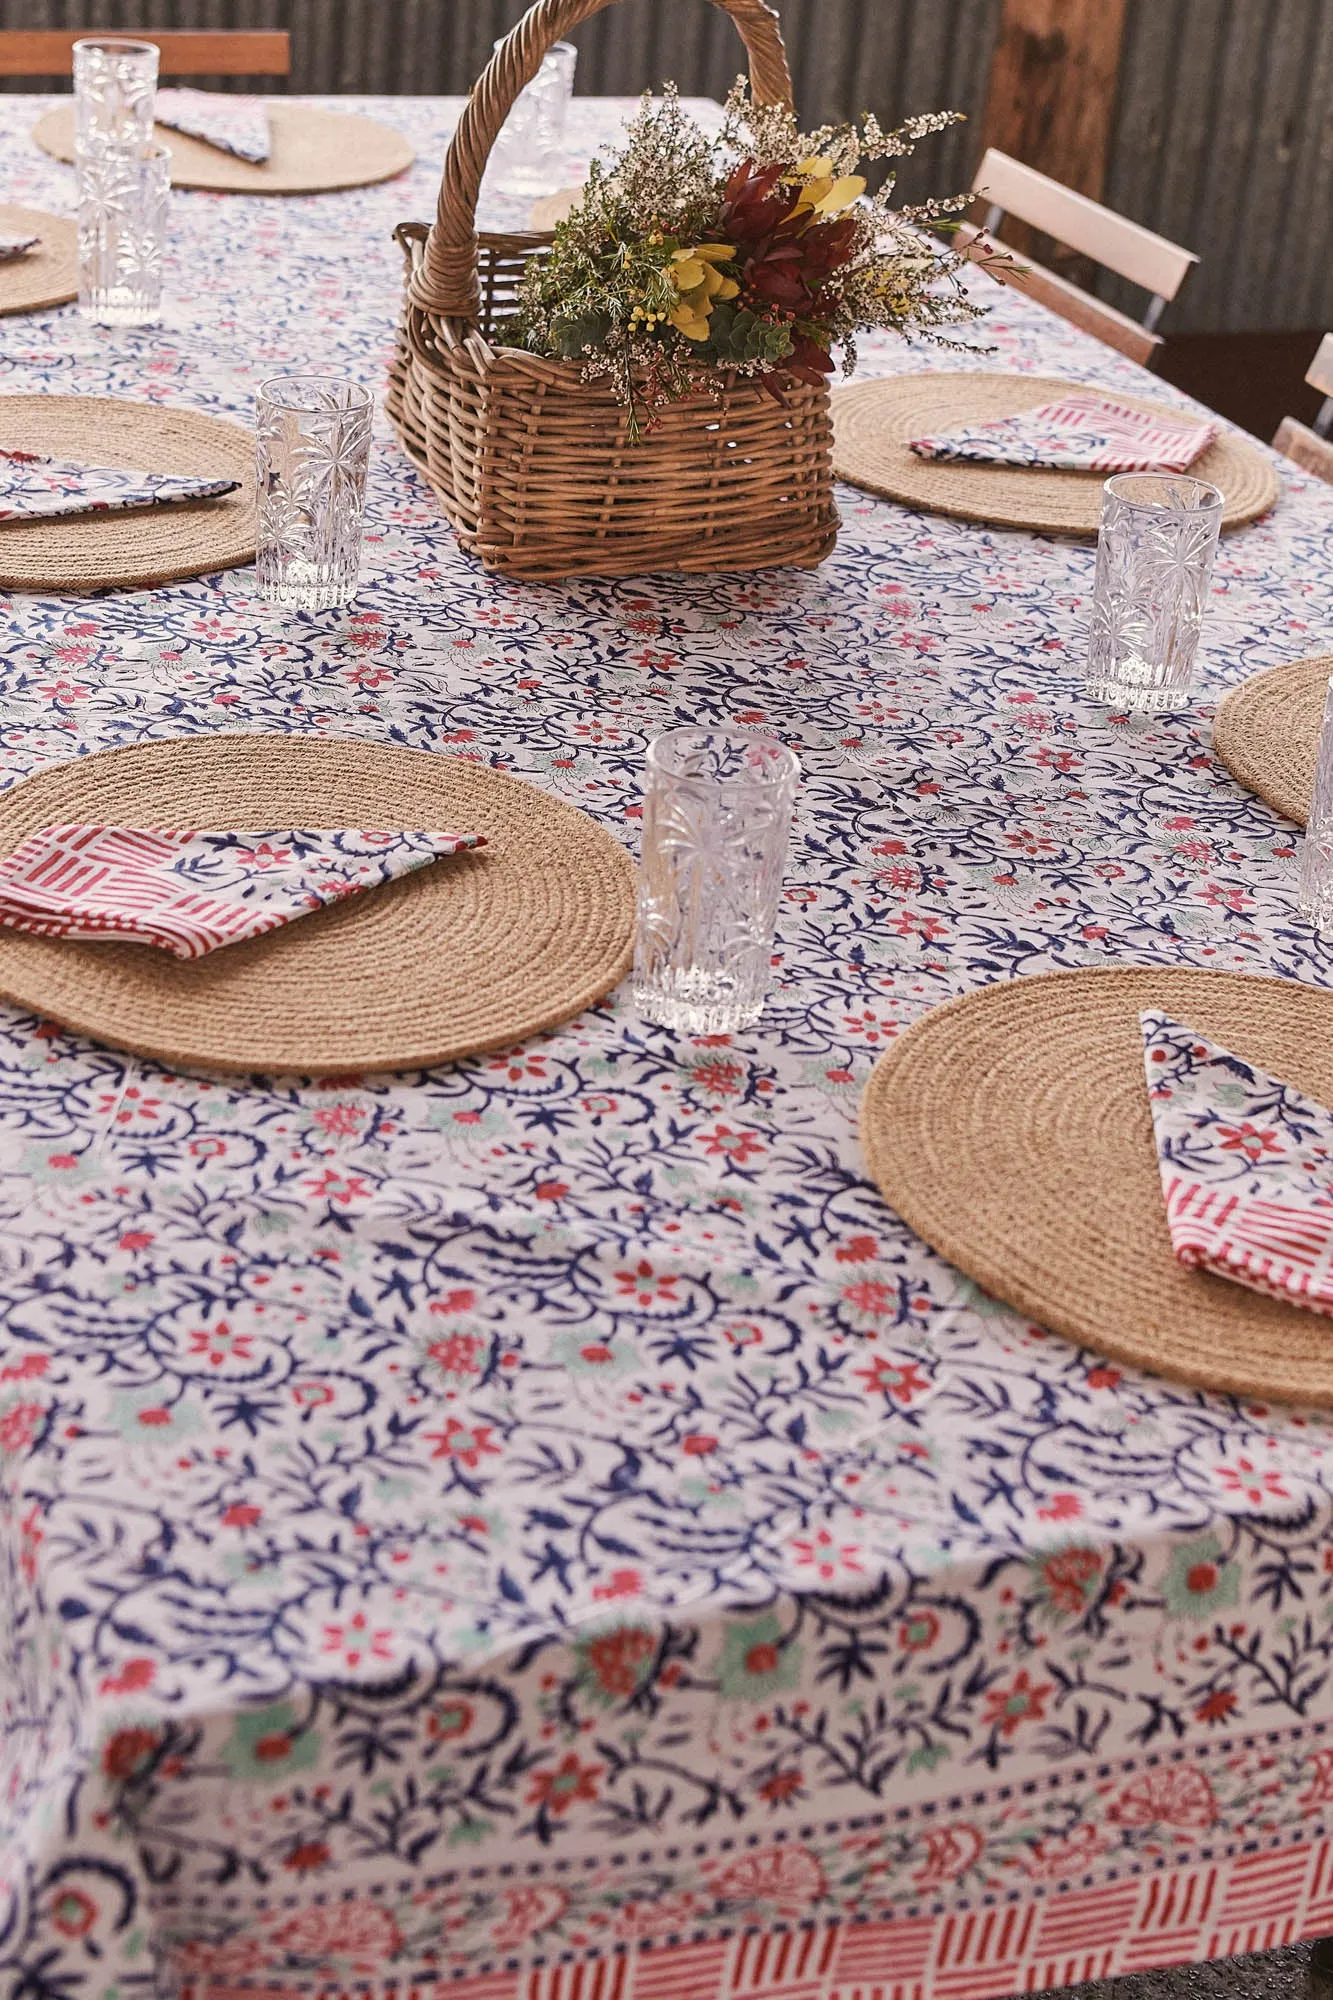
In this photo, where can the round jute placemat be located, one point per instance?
(47, 275)
(312, 152)
(144, 545)
(475, 952)
(1011, 1129)
(872, 422)
(1266, 732)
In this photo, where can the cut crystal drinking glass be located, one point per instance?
(124, 194)
(115, 86)
(717, 817)
(312, 450)
(526, 156)
(1155, 555)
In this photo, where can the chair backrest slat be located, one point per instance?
(201, 52)
(1320, 372)
(1305, 448)
(1103, 322)
(1122, 246)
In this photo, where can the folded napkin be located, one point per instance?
(190, 890)
(1246, 1165)
(33, 487)
(16, 246)
(236, 125)
(1083, 432)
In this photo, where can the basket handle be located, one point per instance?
(445, 280)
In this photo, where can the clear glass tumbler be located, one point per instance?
(527, 155)
(717, 816)
(312, 448)
(1315, 895)
(123, 194)
(115, 84)
(1154, 561)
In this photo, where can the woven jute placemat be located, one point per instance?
(312, 152)
(47, 275)
(1011, 1129)
(872, 422)
(144, 545)
(1266, 732)
(474, 952)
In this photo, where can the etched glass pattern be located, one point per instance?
(123, 198)
(526, 156)
(1154, 562)
(716, 821)
(312, 448)
(115, 83)
(1315, 896)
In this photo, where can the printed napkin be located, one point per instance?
(191, 891)
(1082, 432)
(231, 125)
(236, 125)
(16, 246)
(1246, 1165)
(34, 487)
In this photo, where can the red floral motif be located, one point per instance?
(950, 1852)
(237, 1958)
(127, 1752)
(788, 1879)
(1254, 1141)
(359, 1934)
(647, 1286)
(306, 1857)
(1019, 1702)
(457, 1353)
(73, 1913)
(19, 1425)
(1070, 1576)
(1177, 1796)
(529, 1910)
(468, 1443)
(614, 1659)
(1319, 1792)
(1057, 1859)
(449, 1721)
(557, 1790)
(899, 1380)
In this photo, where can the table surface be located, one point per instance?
(550, 1505)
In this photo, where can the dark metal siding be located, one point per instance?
(1223, 136)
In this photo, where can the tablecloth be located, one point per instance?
(543, 1527)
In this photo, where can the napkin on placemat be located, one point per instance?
(1246, 1165)
(191, 890)
(16, 246)
(33, 487)
(1082, 432)
(236, 125)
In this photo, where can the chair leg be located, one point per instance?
(1319, 1977)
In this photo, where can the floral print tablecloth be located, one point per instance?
(543, 1526)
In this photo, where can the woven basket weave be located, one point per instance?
(534, 467)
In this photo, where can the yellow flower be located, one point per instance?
(692, 325)
(714, 253)
(818, 164)
(841, 194)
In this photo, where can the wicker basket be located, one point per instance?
(535, 467)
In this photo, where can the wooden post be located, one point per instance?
(1052, 91)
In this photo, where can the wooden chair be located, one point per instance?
(203, 52)
(1311, 449)
(1119, 245)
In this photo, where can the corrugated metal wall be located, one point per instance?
(1223, 136)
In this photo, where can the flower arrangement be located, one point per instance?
(755, 251)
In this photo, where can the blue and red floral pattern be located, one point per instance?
(548, 1509)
